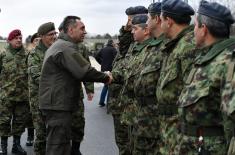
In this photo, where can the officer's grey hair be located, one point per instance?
(217, 29)
(69, 21)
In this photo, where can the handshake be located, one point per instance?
(110, 77)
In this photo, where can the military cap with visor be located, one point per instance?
(216, 11)
(45, 28)
(177, 8)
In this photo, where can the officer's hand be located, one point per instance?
(90, 96)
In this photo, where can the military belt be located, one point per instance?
(146, 100)
(167, 110)
(205, 131)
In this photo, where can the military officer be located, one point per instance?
(201, 119)
(14, 92)
(146, 129)
(48, 36)
(178, 57)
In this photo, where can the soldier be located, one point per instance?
(125, 37)
(146, 129)
(178, 56)
(14, 93)
(142, 37)
(62, 72)
(119, 66)
(48, 36)
(201, 119)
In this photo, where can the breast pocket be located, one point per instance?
(151, 69)
(192, 95)
(171, 75)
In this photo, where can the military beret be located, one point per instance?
(140, 10)
(34, 36)
(130, 11)
(155, 8)
(176, 7)
(139, 19)
(14, 34)
(216, 11)
(45, 28)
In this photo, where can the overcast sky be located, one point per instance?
(99, 16)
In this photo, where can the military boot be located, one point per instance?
(75, 150)
(30, 137)
(4, 146)
(17, 149)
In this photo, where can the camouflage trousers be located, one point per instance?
(121, 135)
(78, 124)
(146, 134)
(40, 128)
(12, 117)
(169, 135)
(211, 146)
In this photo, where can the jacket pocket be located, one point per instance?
(192, 97)
(171, 75)
(151, 69)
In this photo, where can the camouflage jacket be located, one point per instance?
(128, 99)
(13, 66)
(200, 100)
(178, 58)
(145, 88)
(35, 60)
(119, 66)
(89, 86)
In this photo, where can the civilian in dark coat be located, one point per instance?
(105, 58)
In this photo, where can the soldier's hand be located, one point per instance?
(110, 77)
(90, 96)
(128, 25)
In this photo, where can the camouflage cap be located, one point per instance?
(177, 7)
(45, 28)
(216, 11)
(139, 19)
(155, 8)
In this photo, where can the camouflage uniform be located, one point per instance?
(78, 119)
(14, 91)
(200, 101)
(178, 56)
(116, 109)
(114, 105)
(128, 100)
(146, 129)
(35, 60)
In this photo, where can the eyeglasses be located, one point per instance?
(52, 34)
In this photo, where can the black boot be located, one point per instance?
(75, 148)
(4, 146)
(17, 149)
(30, 138)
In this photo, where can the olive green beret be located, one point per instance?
(45, 28)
